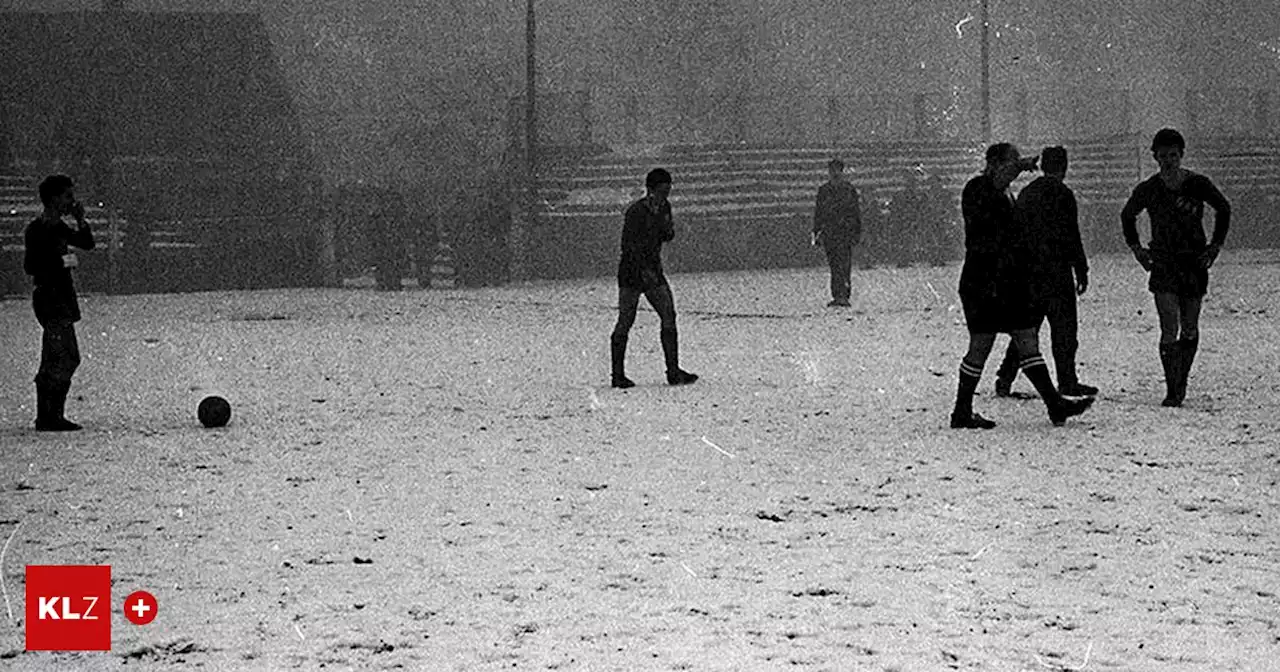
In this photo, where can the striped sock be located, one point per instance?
(1032, 361)
(970, 369)
(970, 374)
(1036, 371)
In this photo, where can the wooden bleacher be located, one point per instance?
(19, 204)
(737, 206)
(745, 206)
(191, 134)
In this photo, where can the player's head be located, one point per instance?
(1168, 147)
(1003, 163)
(1001, 151)
(1168, 137)
(1053, 160)
(658, 183)
(835, 167)
(56, 192)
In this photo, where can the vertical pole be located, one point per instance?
(329, 244)
(522, 232)
(919, 112)
(833, 122)
(531, 103)
(585, 117)
(113, 229)
(1193, 117)
(633, 118)
(986, 73)
(1023, 106)
(1261, 113)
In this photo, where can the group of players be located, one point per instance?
(1024, 263)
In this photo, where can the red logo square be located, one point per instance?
(68, 607)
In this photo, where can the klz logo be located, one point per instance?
(68, 607)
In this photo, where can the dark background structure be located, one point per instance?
(342, 110)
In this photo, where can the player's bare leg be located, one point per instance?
(1169, 310)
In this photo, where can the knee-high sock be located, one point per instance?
(670, 348)
(1064, 363)
(618, 353)
(1169, 360)
(970, 374)
(1038, 373)
(1187, 348)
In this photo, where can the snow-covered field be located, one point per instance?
(442, 480)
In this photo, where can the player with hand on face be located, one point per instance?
(1047, 210)
(646, 226)
(49, 264)
(995, 290)
(1178, 258)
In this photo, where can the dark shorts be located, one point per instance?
(59, 352)
(1183, 277)
(988, 315)
(55, 304)
(640, 279)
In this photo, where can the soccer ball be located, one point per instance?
(214, 412)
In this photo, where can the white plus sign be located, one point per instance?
(141, 608)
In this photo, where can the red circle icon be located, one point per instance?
(140, 607)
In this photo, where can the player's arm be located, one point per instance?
(819, 211)
(855, 214)
(35, 258)
(668, 224)
(1129, 226)
(1221, 220)
(632, 230)
(1221, 210)
(978, 236)
(81, 236)
(1079, 261)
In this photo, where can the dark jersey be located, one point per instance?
(1177, 228)
(46, 241)
(995, 283)
(644, 231)
(837, 215)
(1049, 216)
(995, 253)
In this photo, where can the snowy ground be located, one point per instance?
(802, 507)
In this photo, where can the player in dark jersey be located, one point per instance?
(994, 289)
(1178, 257)
(1047, 211)
(49, 264)
(647, 225)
